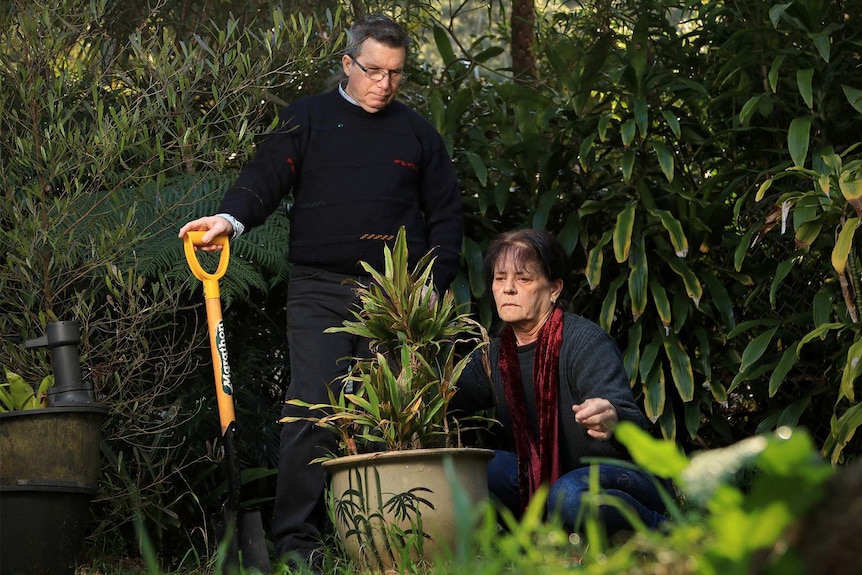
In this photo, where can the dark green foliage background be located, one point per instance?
(643, 141)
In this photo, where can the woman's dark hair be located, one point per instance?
(529, 246)
(378, 27)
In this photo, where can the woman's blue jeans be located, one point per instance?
(634, 488)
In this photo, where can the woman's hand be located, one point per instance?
(598, 416)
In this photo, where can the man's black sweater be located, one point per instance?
(356, 177)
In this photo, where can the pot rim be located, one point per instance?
(408, 454)
(97, 408)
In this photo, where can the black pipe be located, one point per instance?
(62, 338)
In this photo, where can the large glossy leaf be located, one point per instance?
(851, 189)
(628, 164)
(785, 364)
(807, 233)
(674, 229)
(781, 272)
(772, 76)
(609, 304)
(654, 393)
(693, 416)
(720, 298)
(641, 116)
(748, 109)
(632, 352)
(822, 43)
(479, 167)
(662, 458)
(854, 97)
(692, 285)
(638, 277)
(843, 430)
(680, 367)
(665, 159)
(672, 122)
(473, 256)
(755, 349)
(623, 232)
(662, 304)
(852, 371)
(627, 131)
(844, 244)
(584, 152)
(595, 259)
(444, 45)
(798, 137)
(803, 83)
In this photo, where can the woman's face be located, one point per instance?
(524, 295)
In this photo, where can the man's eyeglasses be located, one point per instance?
(377, 74)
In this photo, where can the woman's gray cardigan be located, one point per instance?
(590, 366)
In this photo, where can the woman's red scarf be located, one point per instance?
(538, 457)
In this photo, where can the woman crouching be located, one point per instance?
(558, 389)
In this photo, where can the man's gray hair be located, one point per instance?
(378, 27)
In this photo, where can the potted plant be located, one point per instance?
(49, 444)
(390, 490)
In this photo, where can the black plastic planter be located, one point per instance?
(42, 527)
(48, 477)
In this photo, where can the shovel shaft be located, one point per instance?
(246, 540)
(221, 367)
(218, 345)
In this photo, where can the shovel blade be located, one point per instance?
(242, 530)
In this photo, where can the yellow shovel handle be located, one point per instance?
(210, 280)
(218, 347)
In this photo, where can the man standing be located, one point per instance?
(359, 165)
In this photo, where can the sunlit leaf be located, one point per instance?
(807, 233)
(852, 371)
(843, 429)
(662, 458)
(844, 244)
(675, 232)
(761, 191)
(692, 285)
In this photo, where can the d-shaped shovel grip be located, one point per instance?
(210, 280)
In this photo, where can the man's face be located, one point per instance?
(372, 95)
